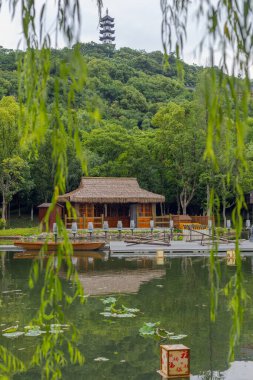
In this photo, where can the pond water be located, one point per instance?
(176, 294)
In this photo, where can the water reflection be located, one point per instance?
(176, 293)
(99, 278)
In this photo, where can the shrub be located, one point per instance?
(2, 223)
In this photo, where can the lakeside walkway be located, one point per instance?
(176, 248)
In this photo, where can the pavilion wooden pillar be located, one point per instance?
(153, 211)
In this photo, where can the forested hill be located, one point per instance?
(133, 84)
(128, 86)
(135, 118)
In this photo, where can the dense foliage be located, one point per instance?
(135, 118)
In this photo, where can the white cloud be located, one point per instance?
(137, 22)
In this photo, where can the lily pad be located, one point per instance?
(101, 359)
(118, 315)
(162, 333)
(12, 291)
(15, 334)
(34, 332)
(109, 300)
(32, 327)
(130, 310)
(10, 329)
(152, 329)
(178, 337)
(117, 312)
(55, 330)
(148, 329)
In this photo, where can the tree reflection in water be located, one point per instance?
(176, 294)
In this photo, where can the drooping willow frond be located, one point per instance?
(229, 31)
(38, 117)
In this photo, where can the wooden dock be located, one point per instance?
(176, 248)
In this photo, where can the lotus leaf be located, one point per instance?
(15, 334)
(177, 337)
(101, 359)
(109, 300)
(10, 329)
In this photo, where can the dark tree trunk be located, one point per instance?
(32, 213)
(4, 207)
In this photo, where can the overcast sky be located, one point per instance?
(137, 23)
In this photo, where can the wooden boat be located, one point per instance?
(79, 254)
(52, 246)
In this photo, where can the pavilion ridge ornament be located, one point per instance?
(175, 361)
(107, 29)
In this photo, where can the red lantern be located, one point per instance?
(175, 361)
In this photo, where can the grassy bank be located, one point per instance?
(20, 231)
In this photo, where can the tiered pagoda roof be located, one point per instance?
(107, 29)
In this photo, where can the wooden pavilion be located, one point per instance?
(111, 199)
(43, 209)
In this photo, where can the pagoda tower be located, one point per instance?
(107, 29)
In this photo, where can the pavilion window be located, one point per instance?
(87, 210)
(123, 210)
(145, 210)
(112, 210)
(98, 210)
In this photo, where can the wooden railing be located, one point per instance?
(143, 221)
(201, 219)
(162, 221)
(82, 221)
(182, 221)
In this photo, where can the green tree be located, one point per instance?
(14, 175)
(180, 147)
(9, 134)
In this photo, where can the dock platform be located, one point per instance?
(176, 248)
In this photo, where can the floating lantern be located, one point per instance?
(74, 260)
(105, 226)
(160, 261)
(119, 225)
(174, 361)
(90, 227)
(159, 254)
(231, 258)
(171, 228)
(210, 225)
(160, 257)
(247, 225)
(74, 229)
(132, 226)
(55, 231)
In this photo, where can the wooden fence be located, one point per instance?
(82, 221)
(162, 221)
